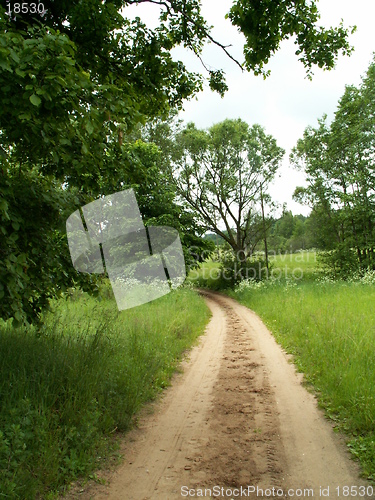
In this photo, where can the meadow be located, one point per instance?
(329, 328)
(301, 266)
(69, 388)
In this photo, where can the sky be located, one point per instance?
(286, 102)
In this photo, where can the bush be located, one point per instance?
(234, 270)
(341, 262)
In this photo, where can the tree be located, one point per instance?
(76, 82)
(84, 74)
(339, 162)
(266, 23)
(290, 233)
(150, 152)
(222, 174)
(35, 263)
(286, 223)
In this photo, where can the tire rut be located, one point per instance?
(245, 447)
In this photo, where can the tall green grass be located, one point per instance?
(69, 386)
(207, 275)
(298, 266)
(329, 327)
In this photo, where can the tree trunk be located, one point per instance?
(264, 229)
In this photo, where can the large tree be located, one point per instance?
(223, 175)
(339, 160)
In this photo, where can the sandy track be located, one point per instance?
(238, 416)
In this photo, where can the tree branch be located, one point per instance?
(205, 32)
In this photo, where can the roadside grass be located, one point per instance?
(68, 387)
(206, 275)
(329, 327)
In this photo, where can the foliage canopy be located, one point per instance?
(76, 83)
(223, 173)
(339, 162)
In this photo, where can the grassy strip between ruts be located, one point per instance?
(329, 327)
(66, 388)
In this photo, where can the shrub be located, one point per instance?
(233, 270)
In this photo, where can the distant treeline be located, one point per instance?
(288, 233)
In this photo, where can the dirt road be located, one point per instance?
(236, 417)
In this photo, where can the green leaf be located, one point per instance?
(3, 205)
(5, 66)
(20, 73)
(35, 100)
(65, 141)
(89, 127)
(14, 55)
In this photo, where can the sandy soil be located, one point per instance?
(237, 417)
